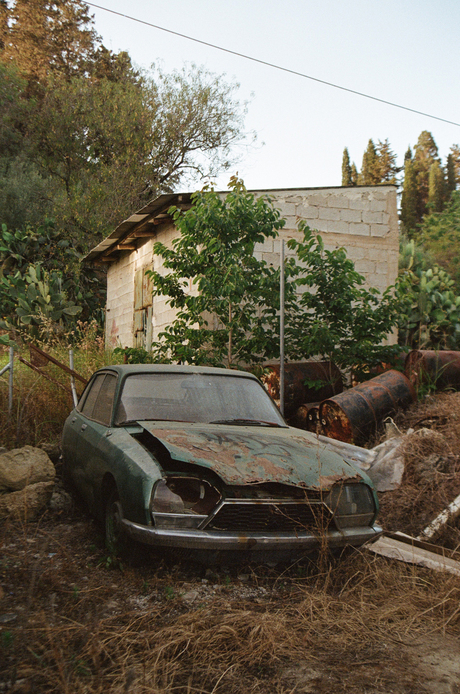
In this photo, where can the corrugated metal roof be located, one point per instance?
(135, 221)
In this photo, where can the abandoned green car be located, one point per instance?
(198, 458)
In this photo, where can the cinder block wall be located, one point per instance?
(364, 220)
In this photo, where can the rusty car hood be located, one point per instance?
(247, 455)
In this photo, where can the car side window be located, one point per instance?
(90, 399)
(104, 402)
(99, 401)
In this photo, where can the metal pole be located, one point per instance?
(282, 327)
(10, 383)
(72, 379)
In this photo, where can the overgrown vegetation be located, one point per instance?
(227, 296)
(40, 405)
(430, 304)
(66, 157)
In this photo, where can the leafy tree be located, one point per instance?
(440, 234)
(338, 318)
(24, 296)
(346, 169)
(230, 316)
(157, 132)
(14, 109)
(36, 300)
(429, 305)
(46, 36)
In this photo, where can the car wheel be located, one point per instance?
(115, 540)
(117, 543)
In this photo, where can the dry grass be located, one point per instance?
(432, 468)
(80, 626)
(74, 621)
(40, 407)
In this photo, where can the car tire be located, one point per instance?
(117, 543)
(115, 540)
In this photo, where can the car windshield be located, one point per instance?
(196, 397)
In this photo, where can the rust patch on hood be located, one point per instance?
(243, 455)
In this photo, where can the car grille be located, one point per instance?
(270, 516)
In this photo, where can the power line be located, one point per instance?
(273, 65)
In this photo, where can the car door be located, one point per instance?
(91, 428)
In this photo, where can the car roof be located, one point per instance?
(128, 369)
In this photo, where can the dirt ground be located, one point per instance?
(75, 619)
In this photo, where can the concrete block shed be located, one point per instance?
(362, 219)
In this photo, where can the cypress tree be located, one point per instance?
(409, 199)
(455, 151)
(354, 174)
(451, 179)
(436, 188)
(386, 163)
(346, 169)
(425, 154)
(369, 171)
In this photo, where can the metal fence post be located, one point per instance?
(10, 383)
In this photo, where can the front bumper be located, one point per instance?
(261, 542)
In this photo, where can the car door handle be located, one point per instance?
(83, 427)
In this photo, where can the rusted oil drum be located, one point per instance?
(439, 369)
(306, 417)
(313, 420)
(353, 416)
(296, 393)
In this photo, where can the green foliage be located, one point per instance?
(227, 300)
(64, 154)
(42, 294)
(35, 298)
(409, 199)
(430, 308)
(369, 174)
(133, 355)
(229, 316)
(451, 174)
(338, 317)
(425, 154)
(440, 235)
(379, 165)
(44, 37)
(346, 169)
(436, 188)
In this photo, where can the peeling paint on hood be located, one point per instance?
(247, 455)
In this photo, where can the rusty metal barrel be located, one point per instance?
(353, 416)
(306, 417)
(439, 369)
(296, 391)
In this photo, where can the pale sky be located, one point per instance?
(403, 51)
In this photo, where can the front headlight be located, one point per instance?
(182, 502)
(352, 505)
